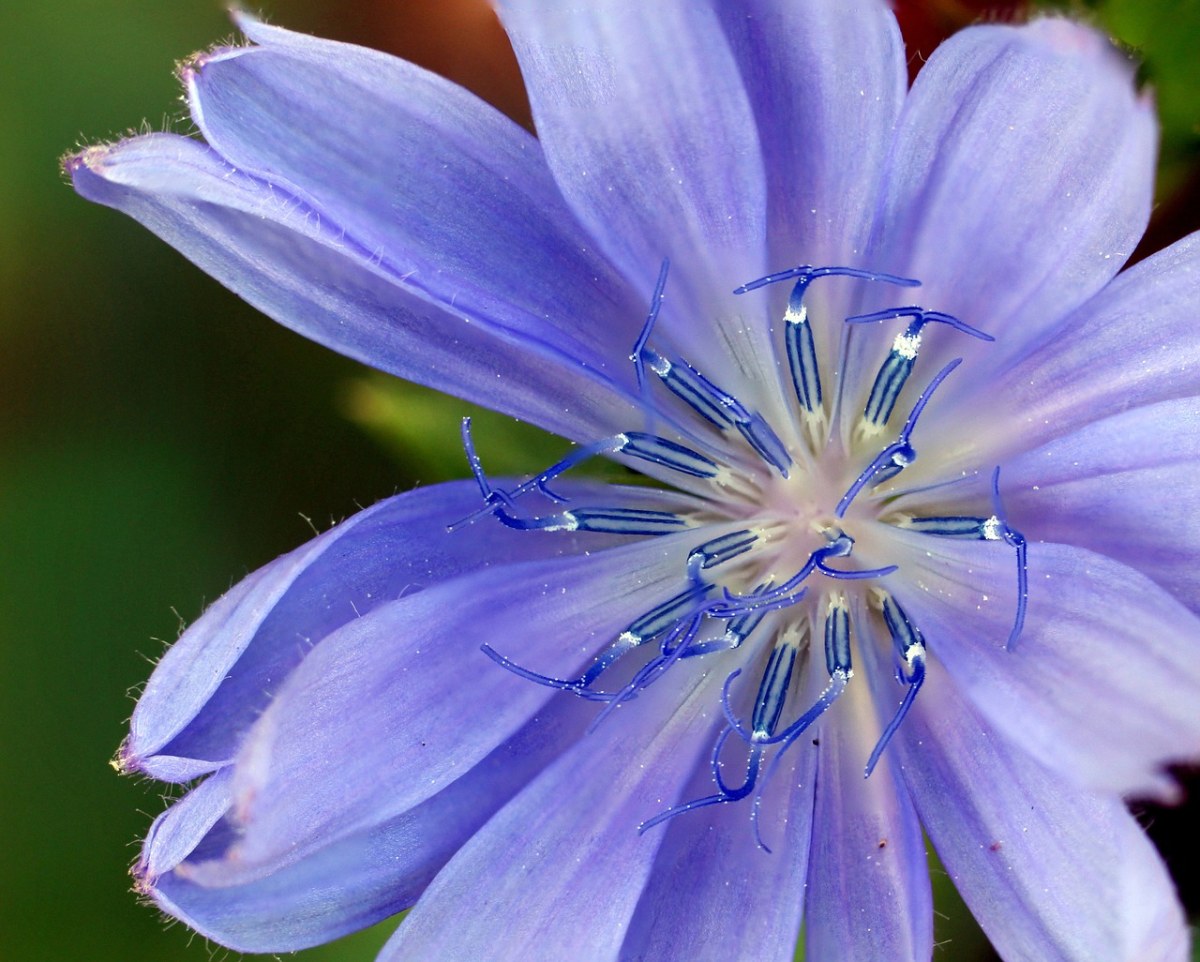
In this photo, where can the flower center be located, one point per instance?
(780, 512)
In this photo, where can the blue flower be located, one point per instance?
(928, 505)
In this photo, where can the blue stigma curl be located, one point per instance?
(994, 528)
(727, 591)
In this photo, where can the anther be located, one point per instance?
(717, 552)
(659, 619)
(627, 521)
(895, 371)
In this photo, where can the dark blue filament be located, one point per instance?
(604, 520)
(1015, 540)
(647, 447)
(737, 630)
(680, 610)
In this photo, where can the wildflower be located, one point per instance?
(926, 513)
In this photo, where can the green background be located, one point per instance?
(158, 439)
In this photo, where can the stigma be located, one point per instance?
(772, 585)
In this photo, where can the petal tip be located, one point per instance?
(1072, 38)
(127, 760)
(81, 162)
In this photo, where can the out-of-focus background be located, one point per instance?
(158, 439)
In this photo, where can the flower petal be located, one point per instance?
(399, 703)
(220, 675)
(868, 883)
(1021, 179)
(1103, 682)
(824, 119)
(299, 266)
(650, 182)
(1017, 839)
(457, 196)
(1132, 344)
(353, 882)
(563, 861)
(1124, 487)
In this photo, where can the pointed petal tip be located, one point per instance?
(79, 163)
(123, 762)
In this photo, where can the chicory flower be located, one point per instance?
(926, 506)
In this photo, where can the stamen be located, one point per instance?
(802, 353)
(680, 609)
(965, 528)
(688, 384)
(711, 402)
(773, 689)
(627, 521)
(631, 521)
(896, 456)
(894, 372)
(762, 437)
(768, 706)
(910, 645)
(798, 335)
(650, 447)
(837, 663)
(672, 649)
(719, 407)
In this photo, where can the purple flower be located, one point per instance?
(944, 534)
